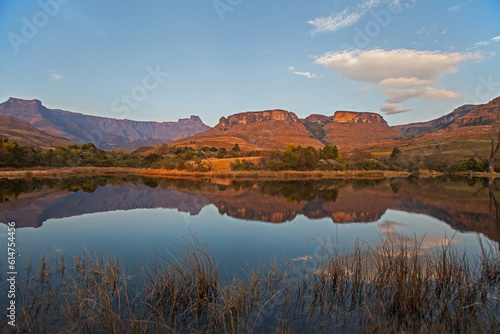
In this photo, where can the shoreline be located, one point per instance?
(250, 175)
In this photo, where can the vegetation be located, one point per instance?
(294, 158)
(392, 287)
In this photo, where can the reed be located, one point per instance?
(393, 286)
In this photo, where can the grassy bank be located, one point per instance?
(392, 287)
(68, 172)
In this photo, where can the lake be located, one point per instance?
(244, 223)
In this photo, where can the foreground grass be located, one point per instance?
(391, 287)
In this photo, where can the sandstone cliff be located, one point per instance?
(348, 129)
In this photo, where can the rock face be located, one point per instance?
(348, 129)
(357, 117)
(105, 133)
(259, 116)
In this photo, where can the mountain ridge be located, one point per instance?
(254, 130)
(106, 133)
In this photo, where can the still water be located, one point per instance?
(245, 223)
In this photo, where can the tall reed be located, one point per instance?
(394, 286)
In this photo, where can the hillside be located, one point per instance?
(416, 129)
(105, 133)
(26, 135)
(255, 130)
(468, 120)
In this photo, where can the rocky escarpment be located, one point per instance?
(105, 133)
(348, 129)
(259, 116)
(357, 117)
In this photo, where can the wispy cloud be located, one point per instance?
(304, 74)
(477, 45)
(351, 15)
(454, 8)
(55, 75)
(403, 74)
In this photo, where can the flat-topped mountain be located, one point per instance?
(255, 130)
(105, 133)
(272, 129)
(349, 129)
(259, 116)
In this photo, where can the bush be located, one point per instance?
(330, 164)
(369, 164)
(242, 165)
(469, 165)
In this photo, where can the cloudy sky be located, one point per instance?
(409, 60)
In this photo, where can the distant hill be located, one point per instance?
(105, 133)
(26, 135)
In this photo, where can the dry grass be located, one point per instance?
(69, 171)
(391, 287)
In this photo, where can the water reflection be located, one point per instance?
(463, 204)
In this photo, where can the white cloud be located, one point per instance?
(404, 74)
(392, 109)
(376, 65)
(304, 74)
(454, 8)
(55, 75)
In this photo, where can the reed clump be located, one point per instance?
(393, 286)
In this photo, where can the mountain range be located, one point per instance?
(105, 133)
(250, 130)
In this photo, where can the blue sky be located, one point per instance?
(409, 60)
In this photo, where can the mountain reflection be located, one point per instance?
(464, 204)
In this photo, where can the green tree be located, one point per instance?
(396, 153)
(236, 148)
